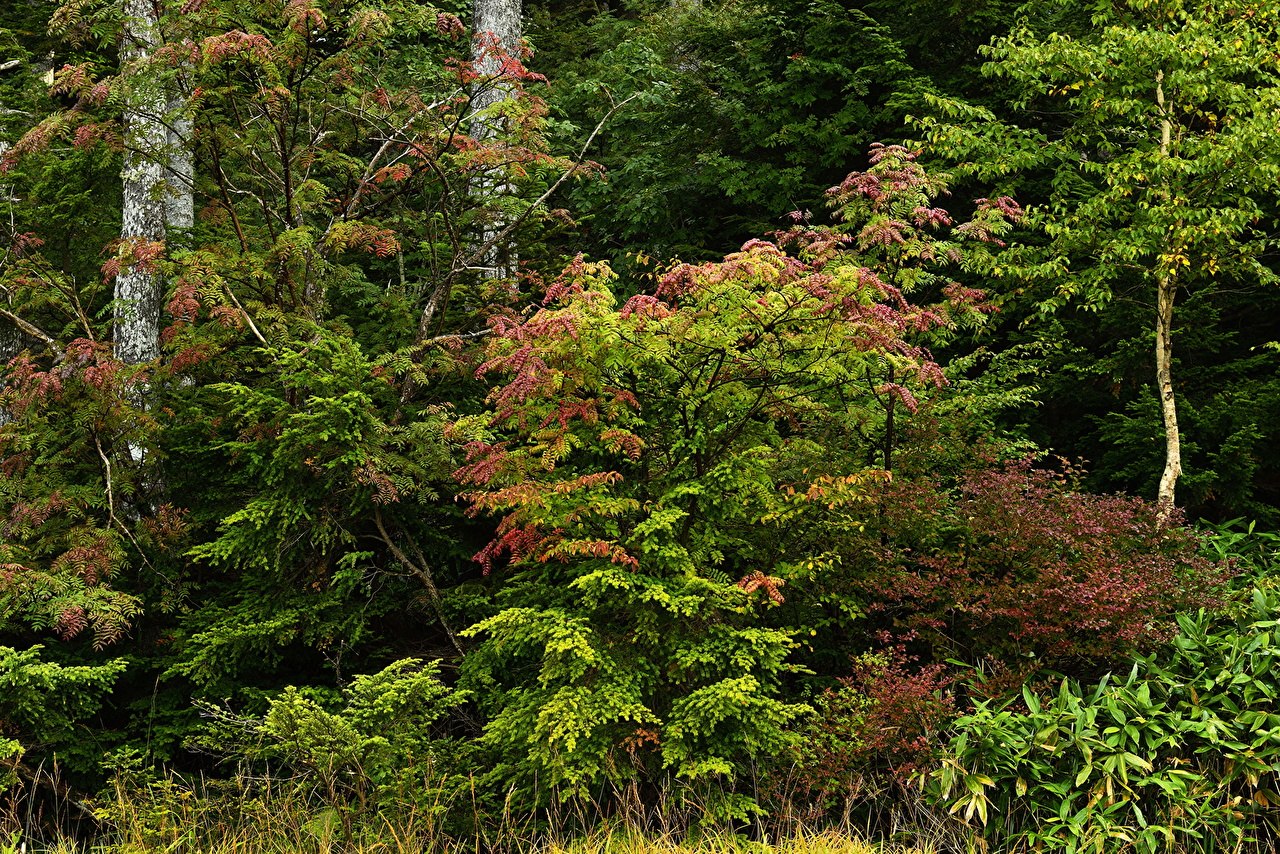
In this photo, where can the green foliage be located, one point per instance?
(63, 541)
(46, 704)
(1182, 750)
(1254, 552)
(1144, 130)
(745, 111)
(664, 470)
(309, 432)
(379, 744)
(259, 506)
(621, 587)
(693, 492)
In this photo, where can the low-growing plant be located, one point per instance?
(1181, 752)
(45, 703)
(380, 748)
(865, 740)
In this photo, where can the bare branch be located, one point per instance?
(34, 332)
(423, 573)
(498, 238)
(460, 336)
(247, 319)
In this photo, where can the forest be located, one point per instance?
(639, 426)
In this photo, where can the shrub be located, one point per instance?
(1017, 565)
(44, 705)
(667, 471)
(380, 747)
(867, 737)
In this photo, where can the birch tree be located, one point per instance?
(1162, 141)
(138, 292)
(497, 41)
(179, 169)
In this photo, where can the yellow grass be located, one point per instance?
(314, 837)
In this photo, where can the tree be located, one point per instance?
(496, 54)
(1162, 149)
(139, 293)
(310, 238)
(667, 469)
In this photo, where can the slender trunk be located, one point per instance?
(497, 26)
(11, 345)
(889, 425)
(138, 292)
(10, 335)
(1166, 290)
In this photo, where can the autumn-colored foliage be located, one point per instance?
(1017, 565)
(654, 526)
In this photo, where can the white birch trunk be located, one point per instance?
(1166, 290)
(138, 291)
(502, 20)
(179, 175)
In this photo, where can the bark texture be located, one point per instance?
(1166, 290)
(497, 24)
(179, 175)
(138, 291)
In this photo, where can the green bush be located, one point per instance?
(43, 703)
(380, 747)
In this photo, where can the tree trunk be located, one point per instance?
(1166, 291)
(11, 345)
(889, 437)
(497, 24)
(180, 211)
(10, 335)
(137, 292)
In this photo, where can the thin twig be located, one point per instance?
(112, 519)
(479, 253)
(423, 573)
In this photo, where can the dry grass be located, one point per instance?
(193, 828)
(396, 839)
(627, 842)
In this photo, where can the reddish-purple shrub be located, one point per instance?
(868, 736)
(1016, 565)
(908, 705)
